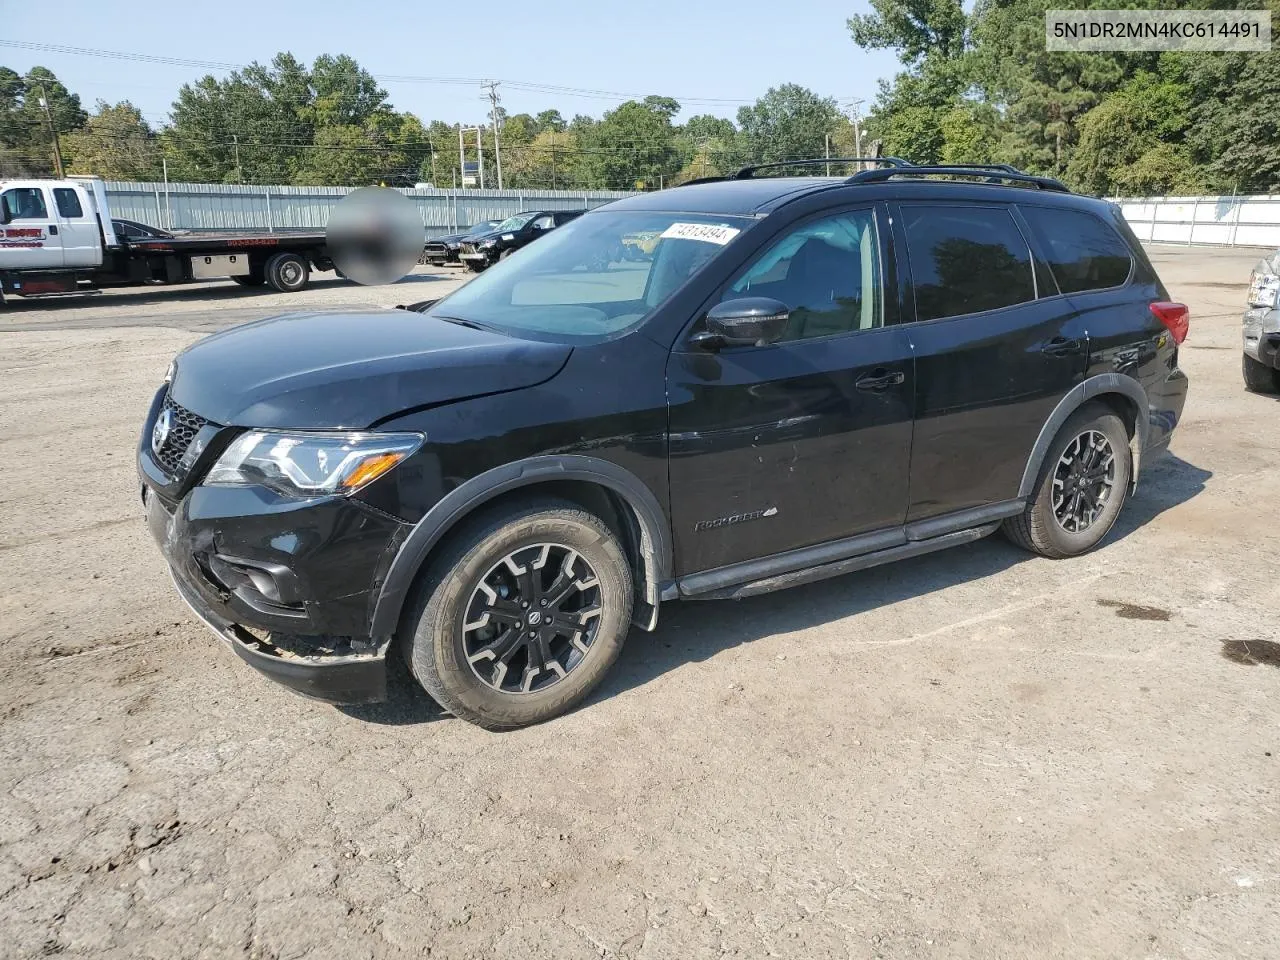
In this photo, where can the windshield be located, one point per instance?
(514, 223)
(593, 277)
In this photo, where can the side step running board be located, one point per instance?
(808, 575)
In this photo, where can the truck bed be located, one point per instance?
(205, 242)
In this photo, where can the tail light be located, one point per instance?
(1175, 316)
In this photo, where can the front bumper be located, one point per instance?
(318, 648)
(1261, 336)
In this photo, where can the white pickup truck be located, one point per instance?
(57, 236)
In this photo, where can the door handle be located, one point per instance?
(1062, 346)
(53, 229)
(881, 380)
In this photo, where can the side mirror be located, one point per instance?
(746, 322)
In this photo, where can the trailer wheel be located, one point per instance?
(287, 272)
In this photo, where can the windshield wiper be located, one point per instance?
(464, 323)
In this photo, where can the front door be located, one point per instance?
(996, 348)
(78, 228)
(804, 440)
(29, 239)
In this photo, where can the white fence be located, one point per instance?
(217, 206)
(1211, 221)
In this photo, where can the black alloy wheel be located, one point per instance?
(1083, 480)
(532, 618)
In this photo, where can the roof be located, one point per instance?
(741, 197)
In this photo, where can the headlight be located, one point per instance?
(311, 464)
(485, 245)
(168, 374)
(1263, 288)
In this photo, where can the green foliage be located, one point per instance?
(789, 122)
(982, 88)
(26, 142)
(115, 143)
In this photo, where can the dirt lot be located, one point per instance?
(973, 754)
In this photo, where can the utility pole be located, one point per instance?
(492, 87)
(235, 140)
(53, 132)
(552, 135)
(828, 154)
(856, 120)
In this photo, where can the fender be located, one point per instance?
(1079, 395)
(655, 537)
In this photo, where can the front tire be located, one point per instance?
(521, 615)
(1258, 377)
(287, 272)
(1082, 486)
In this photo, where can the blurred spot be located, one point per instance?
(1132, 611)
(1252, 652)
(375, 235)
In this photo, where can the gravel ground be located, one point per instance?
(971, 754)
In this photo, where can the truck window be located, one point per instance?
(25, 203)
(68, 203)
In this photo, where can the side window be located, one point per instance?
(1084, 253)
(966, 260)
(25, 203)
(68, 203)
(827, 271)
(128, 230)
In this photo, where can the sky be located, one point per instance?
(711, 56)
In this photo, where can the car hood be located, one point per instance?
(479, 237)
(350, 370)
(451, 238)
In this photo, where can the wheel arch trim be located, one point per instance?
(655, 537)
(1095, 386)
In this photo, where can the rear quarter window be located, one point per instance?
(966, 259)
(1084, 252)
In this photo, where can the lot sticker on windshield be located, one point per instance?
(709, 233)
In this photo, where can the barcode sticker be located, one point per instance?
(707, 232)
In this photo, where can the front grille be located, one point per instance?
(183, 427)
(436, 248)
(468, 248)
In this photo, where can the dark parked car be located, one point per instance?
(808, 376)
(509, 236)
(441, 250)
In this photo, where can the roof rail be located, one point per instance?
(747, 173)
(991, 173)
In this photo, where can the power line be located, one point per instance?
(525, 85)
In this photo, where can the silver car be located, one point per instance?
(1262, 328)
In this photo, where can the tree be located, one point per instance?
(1131, 142)
(551, 120)
(789, 122)
(1234, 130)
(26, 142)
(632, 147)
(916, 28)
(115, 144)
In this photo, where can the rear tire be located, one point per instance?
(1082, 486)
(484, 633)
(1258, 377)
(287, 272)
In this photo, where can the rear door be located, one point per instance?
(806, 440)
(996, 346)
(78, 227)
(30, 239)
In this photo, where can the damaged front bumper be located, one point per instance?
(294, 644)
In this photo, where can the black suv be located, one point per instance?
(441, 250)
(809, 376)
(478, 252)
